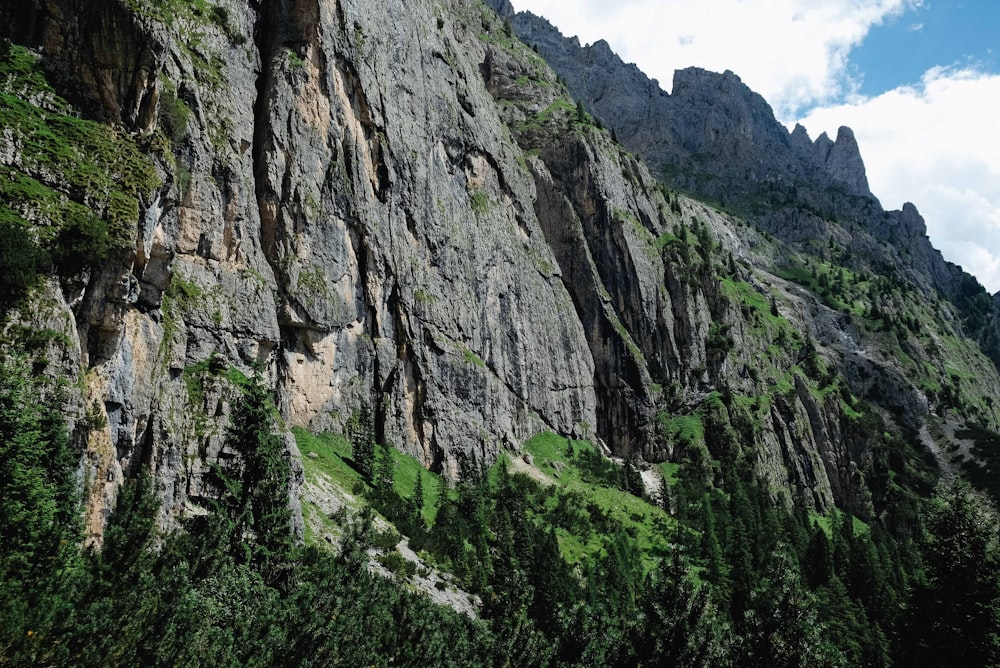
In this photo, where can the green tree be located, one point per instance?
(780, 627)
(38, 505)
(22, 261)
(633, 478)
(385, 471)
(39, 522)
(361, 432)
(680, 624)
(254, 486)
(955, 611)
(818, 564)
(710, 548)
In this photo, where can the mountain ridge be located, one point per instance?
(280, 265)
(715, 138)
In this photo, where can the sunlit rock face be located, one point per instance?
(399, 205)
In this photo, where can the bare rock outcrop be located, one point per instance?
(398, 205)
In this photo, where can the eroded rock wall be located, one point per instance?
(398, 205)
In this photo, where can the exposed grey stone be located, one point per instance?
(393, 205)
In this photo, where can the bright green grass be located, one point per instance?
(743, 292)
(547, 447)
(404, 478)
(331, 452)
(574, 549)
(649, 524)
(826, 522)
(670, 471)
(683, 428)
(329, 463)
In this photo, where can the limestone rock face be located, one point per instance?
(398, 205)
(341, 203)
(842, 160)
(412, 273)
(714, 137)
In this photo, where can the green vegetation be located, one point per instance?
(361, 432)
(838, 287)
(550, 561)
(480, 202)
(327, 455)
(174, 114)
(424, 297)
(559, 109)
(684, 430)
(828, 578)
(74, 197)
(312, 285)
(983, 467)
(22, 263)
(472, 358)
(626, 338)
(500, 33)
(230, 589)
(294, 59)
(201, 13)
(38, 498)
(954, 612)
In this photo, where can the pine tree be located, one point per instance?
(955, 612)
(38, 503)
(680, 625)
(710, 548)
(417, 501)
(385, 466)
(254, 488)
(633, 478)
(818, 566)
(361, 432)
(39, 524)
(780, 627)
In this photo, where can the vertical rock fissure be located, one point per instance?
(264, 41)
(581, 281)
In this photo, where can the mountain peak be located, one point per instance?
(501, 7)
(709, 116)
(842, 159)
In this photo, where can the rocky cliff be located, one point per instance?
(398, 205)
(714, 137)
(710, 133)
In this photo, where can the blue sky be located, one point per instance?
(959, 33)
(917, 80)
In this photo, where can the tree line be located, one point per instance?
(746, 582)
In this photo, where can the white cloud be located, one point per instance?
(793, 52)
(936, 145)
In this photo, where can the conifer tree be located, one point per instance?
(955, 612)
(361, 432)
(37, 499)
(818, 565)
(254, 487)
(417, 502)
(680, 625)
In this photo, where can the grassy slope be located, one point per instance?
(650, 525)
